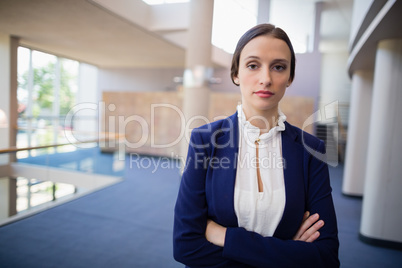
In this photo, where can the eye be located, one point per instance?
(252, 66)
(279, 67)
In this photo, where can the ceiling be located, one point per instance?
(86, 31)
(81, 30)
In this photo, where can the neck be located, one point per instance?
(265, 120)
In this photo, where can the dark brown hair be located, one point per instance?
(258, 30)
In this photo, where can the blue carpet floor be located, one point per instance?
(87, 160)
(352, 251)
(129, 224)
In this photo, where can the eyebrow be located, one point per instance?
(252, 57)
(274, 61)
(280, 61)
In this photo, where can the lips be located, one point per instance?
(264, 93)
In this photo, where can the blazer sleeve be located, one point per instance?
(190, 246)
(253, 249)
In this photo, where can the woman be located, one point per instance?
(249, 183)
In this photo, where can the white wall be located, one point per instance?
(88, 83)
(335, 82)
(135, 79)
(87, 94)
(307, 76)
(360, 9)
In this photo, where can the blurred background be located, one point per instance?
(98, 98)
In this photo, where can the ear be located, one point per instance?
(289, 83)
(236, 80)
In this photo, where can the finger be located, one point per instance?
(300, 231)
(313, 237)
(306, 215)
(312, 231)
(305, 225)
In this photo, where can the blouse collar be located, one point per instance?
(253, 132)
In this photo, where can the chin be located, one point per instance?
(266, 106)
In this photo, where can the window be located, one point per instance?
(296, 18)
(47, 89)
(231, 19)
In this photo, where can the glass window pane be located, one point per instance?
(47, 91)
(299, 28)
(68, 85)
(23, 96)
(231, 19)
(44, 83)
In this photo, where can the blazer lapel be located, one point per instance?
(292, 153)
(224, 176)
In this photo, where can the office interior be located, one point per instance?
(98, 98)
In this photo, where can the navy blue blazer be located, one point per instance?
(207, 192)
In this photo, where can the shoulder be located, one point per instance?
(216, 134)
(225, 122)
(216, 127)
(304, 138)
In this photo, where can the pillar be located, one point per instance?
(264, 7)
(5, 93)
(14, 43)
(359, 123)
(13, 123)
(9, 105)
(87, 94)
(381, 212)
(198, 70)
(4, 128)
(314, 41)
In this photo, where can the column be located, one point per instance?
(264, 7)
(359, 123)
(8, 104)
(198, 70)
(14, 43)
(13, 123)
(4, 128)
(5, 92)
(87, 95)
(314, 42)
(381, 212)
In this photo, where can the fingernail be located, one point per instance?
(316, 216)
(321, 223)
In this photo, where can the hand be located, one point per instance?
(215, 233)
(308, 231)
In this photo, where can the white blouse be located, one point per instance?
(257, 211)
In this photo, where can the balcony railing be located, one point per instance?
(36, 178)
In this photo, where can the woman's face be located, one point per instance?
(264, 72)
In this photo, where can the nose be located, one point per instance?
(265, 77)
